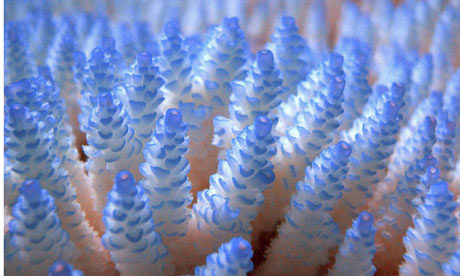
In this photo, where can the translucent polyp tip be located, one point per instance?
(30, 189)
(265, 60)
(241, 248)
(429, 125)
(398, 90)
(432, 174)
(262, 125)
(335, 60)
(429, 161)
(60, 268)
(124, 182)
(439, 188)
(144, 59)
(173, 118)
(288, 22)
(364, 222)
(97, 55)
(68, 41)
(390, 110)
(231, 23)
(108, 43)
(17, 112)
(171, 28)
(342, 149)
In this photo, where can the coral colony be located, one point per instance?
(232, 137)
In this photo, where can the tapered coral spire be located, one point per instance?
(136, 248)
(224, 58)
(237, 187)
(233, 258)
(256, 96)
(432, 241)
(19, 63)
(291, 54)
(141, 96)
(356, 253)
(110, 144)
(309, 231)
(165, 175)
(36, 230)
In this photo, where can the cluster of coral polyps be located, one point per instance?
(232, 137)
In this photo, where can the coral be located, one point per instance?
(273, 133)
(130, 235)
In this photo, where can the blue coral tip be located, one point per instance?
(30, 189)
(173, 118)
(60, 268)
(364, 222)
(231, 23)
(171, 28)
(108, 43)
(97, 55)
(124, 182)
(398, 90)
(335, 60)
(241, 248)
(262, 125)
(17, 112)
(342, 149)
(390, 110)
(439, 188)
(68, 41)
(288, 21)
(429, 161)
(265, 60)
(432, 174)
(144, 59)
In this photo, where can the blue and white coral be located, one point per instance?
(130, 236)
(309, 230)
(232, 259)
(236, 190)
(309, 97)
(165, 175)
(224, 58)
(257, 95)
(36, 231)
(356, 253)
(141, 96)
(432, 241)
